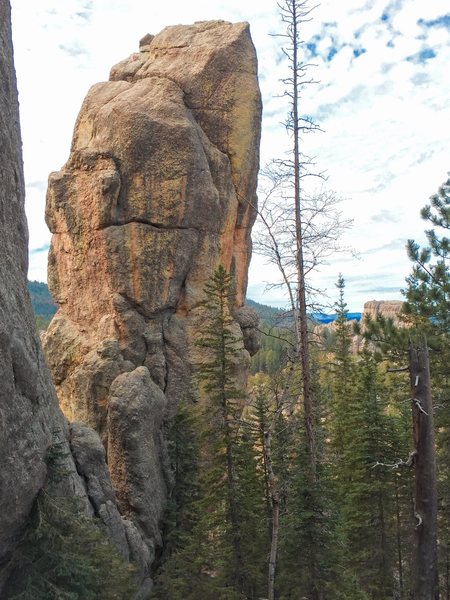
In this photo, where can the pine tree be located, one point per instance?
(364, 441)
(427, 310)
(222, 556)
(218, 377)
(428, 291)
(311, 541)
(343, 373)
(184, 452)
(64, 554)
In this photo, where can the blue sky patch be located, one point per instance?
(422, 56)
(331, 53)
(312, 47)
(358, 51)
(442, 21)
(43, 248)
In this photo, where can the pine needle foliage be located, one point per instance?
(64, 555)
(428, 291)
(220, 557)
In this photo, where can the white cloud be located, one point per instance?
(386, 118)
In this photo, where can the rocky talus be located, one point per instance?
(159, 189)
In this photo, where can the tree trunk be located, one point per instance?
(399, 542)
(447, 572)
(302, 319)
(275, 501)
(425, 573)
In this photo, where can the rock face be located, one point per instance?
(30, 420)
(389, 309)
(159, 189)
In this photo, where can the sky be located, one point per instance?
(382, 100)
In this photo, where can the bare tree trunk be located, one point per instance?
(383, 549)
(275, 501)
(302, 316)
(399, 542)
(425, 572)
(273, 485)
(447, 571)
(302, 324)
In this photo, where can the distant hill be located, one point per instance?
(323, 318)
(276, 316)
(45, 307)
(43, 304)
(269, 315)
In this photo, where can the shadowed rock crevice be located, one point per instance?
(149, 224)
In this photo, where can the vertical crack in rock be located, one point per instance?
(159, 189)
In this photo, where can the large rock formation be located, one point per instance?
(30, 420)
(31, 423)
(159, 189)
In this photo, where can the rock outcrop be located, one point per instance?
(38, 449)
(30, 420)
(389, 309)
(159, 189)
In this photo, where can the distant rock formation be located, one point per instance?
(159, 189)
(390, 309)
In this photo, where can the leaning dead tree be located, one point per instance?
(425, 569)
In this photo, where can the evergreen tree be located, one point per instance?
(427, 310)
(343, 373)
(311, 541)
(184, 451)
(428, 291)
(218, 377)
(222, 555)
(64, 554)
(365, 484)
(368, 434)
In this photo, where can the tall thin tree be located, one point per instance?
(294, 13)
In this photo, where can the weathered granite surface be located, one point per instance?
(30, 420)
(32, 426)
(159, 189)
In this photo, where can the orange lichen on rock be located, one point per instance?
(159, 189)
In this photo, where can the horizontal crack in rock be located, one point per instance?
(149, 224)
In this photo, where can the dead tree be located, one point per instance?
(425, 585)
(283, 402)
